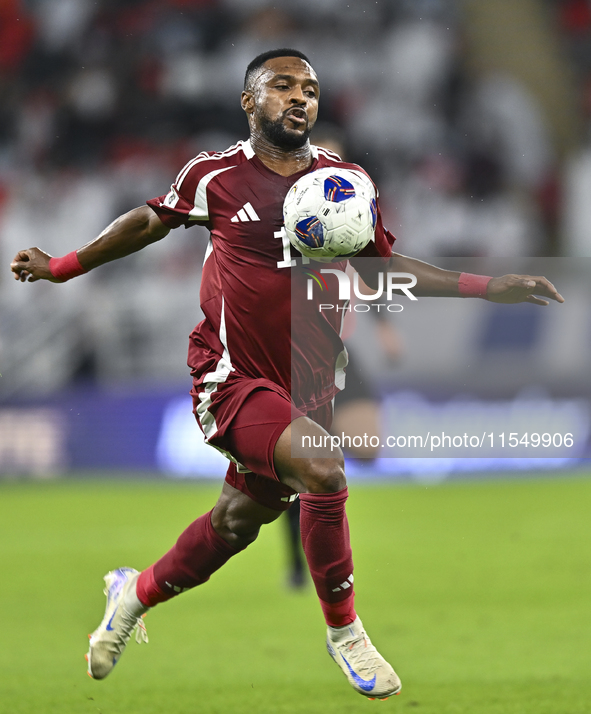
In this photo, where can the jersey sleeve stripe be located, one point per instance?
(185, 170)
(200, 210)
(203, 156)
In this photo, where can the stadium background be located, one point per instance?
(474, 119)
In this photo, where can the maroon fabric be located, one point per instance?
(251, 339)
(255, 429)
(250, 417)
(261, 489)
(325, 537)
(251, 439)
(198, 553)
(339, 614)
(251, 278)
(146, 589)
(255, 407)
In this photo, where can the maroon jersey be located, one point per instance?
(252, 277)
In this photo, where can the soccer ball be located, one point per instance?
(330, 214)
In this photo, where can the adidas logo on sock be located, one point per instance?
(344, 585)
(176, 588)
(245, 214)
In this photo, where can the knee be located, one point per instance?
(238, 519)
(323, 475)
(230, 523)
(240, 539)
(234, 530)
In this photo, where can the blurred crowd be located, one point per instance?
(105, 100)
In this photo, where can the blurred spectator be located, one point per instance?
(575, 17)
(577, 206)
(17, 32)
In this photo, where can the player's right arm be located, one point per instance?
(127, 234)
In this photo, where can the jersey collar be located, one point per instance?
(247, 149)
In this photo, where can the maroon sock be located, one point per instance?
(325, 537)
(198, 553)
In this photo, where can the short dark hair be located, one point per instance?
(260, 60)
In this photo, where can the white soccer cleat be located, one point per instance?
(365, 668)
(110, 638)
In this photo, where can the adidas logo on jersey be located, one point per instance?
(245, 214)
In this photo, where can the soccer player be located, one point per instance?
(254, 387)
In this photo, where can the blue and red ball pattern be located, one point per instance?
(338, 189)
(311, 232)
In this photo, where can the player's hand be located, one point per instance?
(32, 265)
(522, 288)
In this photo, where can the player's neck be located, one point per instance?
(284, 162)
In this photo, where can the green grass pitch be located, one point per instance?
(478, 592)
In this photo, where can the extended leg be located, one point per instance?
(325, 537)
(205, 546)
(325, 531)
(201, 549)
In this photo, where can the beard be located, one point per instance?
(280, 136)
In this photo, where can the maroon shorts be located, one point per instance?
(250, 437)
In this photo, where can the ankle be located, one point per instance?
(343, 632)
(132, 603)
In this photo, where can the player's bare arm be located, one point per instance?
(127, 234)
(437, 282)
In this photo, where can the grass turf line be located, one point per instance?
(477, 592)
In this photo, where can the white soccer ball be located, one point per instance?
(330, 214)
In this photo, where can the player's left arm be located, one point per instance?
(436, 282)
(431, 281)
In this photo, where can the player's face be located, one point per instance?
(285, 101)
